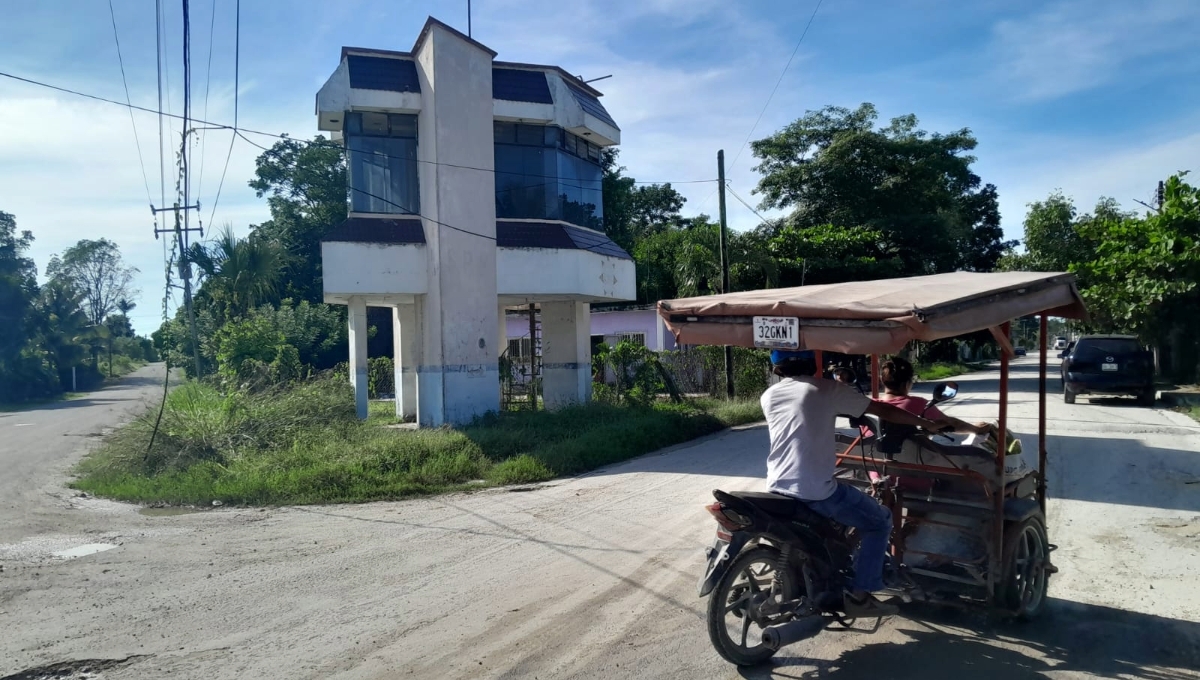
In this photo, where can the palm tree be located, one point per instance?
(698, 261)
(238, 274)
(66, 332)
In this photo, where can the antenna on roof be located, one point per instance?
(468, 18)
(595, 79)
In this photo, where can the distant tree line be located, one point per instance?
(72, 331)
(1140, 273)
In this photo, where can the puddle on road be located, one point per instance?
(82, 550)
(166, 512)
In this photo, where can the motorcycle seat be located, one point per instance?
(778, 505)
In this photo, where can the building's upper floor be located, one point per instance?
(549, 133)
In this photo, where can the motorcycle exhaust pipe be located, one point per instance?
(781, 635)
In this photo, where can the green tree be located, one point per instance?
(833, 166)
(305, 186)
(65, 330)
(237, 274)
(25, 368)
(826, 253)
(98, 272)
(1145, 272)
(632, 212)
(687, 261)
(18, 288)
(1051, 242)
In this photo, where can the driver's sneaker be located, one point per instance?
(867, 608)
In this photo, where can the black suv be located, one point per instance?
(1108, 364)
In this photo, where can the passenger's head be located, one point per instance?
(897, 375)
(793, 364)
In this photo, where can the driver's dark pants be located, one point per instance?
(850, 507)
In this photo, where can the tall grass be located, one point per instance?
(304, 445)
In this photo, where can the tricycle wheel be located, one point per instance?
(1026, 577)
(736, 605)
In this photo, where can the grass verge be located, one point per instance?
(941, 370)
(304, 445)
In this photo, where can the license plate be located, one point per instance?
(1108, 367)
(777, 332)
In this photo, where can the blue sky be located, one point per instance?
(1094, 97)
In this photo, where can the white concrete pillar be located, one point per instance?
(566, 353)
(458, 379)
(406, 333)
(357, 321)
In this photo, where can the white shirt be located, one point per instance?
(801, 414)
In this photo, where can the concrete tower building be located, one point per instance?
(475, 185)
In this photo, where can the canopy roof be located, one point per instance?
(876, 317)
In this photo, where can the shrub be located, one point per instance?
(381, 377)
(236, 342)
(286, 367)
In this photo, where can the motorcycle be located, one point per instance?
(781, 567)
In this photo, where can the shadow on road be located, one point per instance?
(1089, 640)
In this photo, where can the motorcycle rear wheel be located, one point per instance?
(739, 595)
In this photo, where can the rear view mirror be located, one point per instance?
(945, 391)
(845, 376)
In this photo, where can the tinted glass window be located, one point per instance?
(382, 163)
(545, 173)
(1095, 349)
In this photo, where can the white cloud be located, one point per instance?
(1081, 44)
(1088, 169)
(69, 170)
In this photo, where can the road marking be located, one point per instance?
(83, 550)
(22, 424)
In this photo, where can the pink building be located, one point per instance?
(641, 325)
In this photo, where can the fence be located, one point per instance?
(700, 371)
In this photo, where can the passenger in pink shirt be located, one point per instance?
(897, 376)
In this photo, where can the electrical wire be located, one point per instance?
(207, 86)
(243, 131)
(743, 202)
(777, 84)
(237, 59)
(162, 159)
(121, 61)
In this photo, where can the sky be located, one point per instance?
(1093, 97)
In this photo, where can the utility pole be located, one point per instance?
(468, 18)
(180, 231)
(182, 227)
(724, 263)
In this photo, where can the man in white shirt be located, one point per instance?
(801, 412)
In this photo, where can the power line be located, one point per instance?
(207, 86)
(743, 202)
(162, 158)
(237, 59)
(777, 84)
(329, 145)
(121, 62)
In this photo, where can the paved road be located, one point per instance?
(38, 446)
(594, 577)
